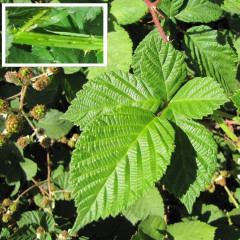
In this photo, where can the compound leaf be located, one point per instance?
(198, 98)
(212, 56)
(160, 65)
(186, 231)
(202, 11)
(108, 91)
(117, 160)
(127, 12)
(193, 162)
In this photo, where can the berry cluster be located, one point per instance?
(41, 83)
(3, 106)
(38, 112)
(24, 74)
(14, 123)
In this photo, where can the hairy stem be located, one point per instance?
(153, 10)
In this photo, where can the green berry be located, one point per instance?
(41, 83)
(14, 124)
(38, 112)
(12, 77)
(67, 195)
(6, 202)
(13, 207)
(3, 106)
(25, 74)
(3, 139)
(71, 143)
(63, 140)
(6, 217)
(23, 142)
(46, 142)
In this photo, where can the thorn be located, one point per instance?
(156, 2)
(151, 21)
(86, 52)
(158, 12)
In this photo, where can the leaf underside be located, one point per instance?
(117, 160)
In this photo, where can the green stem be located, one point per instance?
(227, 130)
(31, 22)
(231, 196)
(223, 114)
(51, 40)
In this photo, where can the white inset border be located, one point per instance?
(105, 30)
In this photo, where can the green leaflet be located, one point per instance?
(108, 91)
(188, 230)
(117, 160)
(193, 162)
(54, 126)
(212, 56)
(198, 98)
(119, 53)
(127, 12)
(231, 6)
(236, 100)
(150, 204)
(170, 7)
(161, 65)
(202, 11)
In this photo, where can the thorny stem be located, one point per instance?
(27, 190)
(227, 130)
(231, 196)
(49, 175)
(153, 10)
(14, 96)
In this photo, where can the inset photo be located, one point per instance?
(54, 35)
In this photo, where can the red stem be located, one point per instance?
(152, 9)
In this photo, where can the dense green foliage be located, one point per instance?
(145, 148)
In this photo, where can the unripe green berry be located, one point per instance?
(41, 83)
(25, 74)
(3, 139)
(67, 195)
(63, 140)
(22, 142)
(12, 77)
(71, 143)
(46, 142)
(6, 202)
(38, 112)
(14, 123)
(3, 106)
(53, 70)
(13, 207)
(6, 217)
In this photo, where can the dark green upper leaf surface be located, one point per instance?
(117, 160)
(161, 65)
(169, 7)
(212, 56)
(108, 91)
(203, 11)
(193, 162)
(198, 98)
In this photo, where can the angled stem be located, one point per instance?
(231, 196)
(153, 10)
